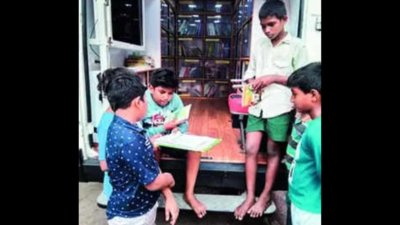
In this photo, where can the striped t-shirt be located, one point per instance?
(298, 129)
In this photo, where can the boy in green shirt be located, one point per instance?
(305, 171)
(162, 101)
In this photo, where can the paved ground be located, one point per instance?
(91, 214)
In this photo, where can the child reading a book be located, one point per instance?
(162, 102)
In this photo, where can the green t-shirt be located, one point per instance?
(305, 172)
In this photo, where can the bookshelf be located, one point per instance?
(206, 43)
(242, 24)
(168, 34)
(204, 57)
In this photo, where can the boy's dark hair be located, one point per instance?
(103, 81)
(121, 86)
(273, 8)
(165, 78)
(306, 78)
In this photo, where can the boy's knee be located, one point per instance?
(272, 152)
(193, 155)
(273, 148)
(251, 151)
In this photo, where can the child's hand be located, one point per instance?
(171, 210)
(173, 123)
(154, 138)
(170, 180)
(262, 82)
(250, 81)
(176, 129)
(103, 165)
(304, 117)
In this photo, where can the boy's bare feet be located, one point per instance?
(258, 209)
(196, 205)
(241, 210)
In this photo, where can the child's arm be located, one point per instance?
(103, 165)
(102, 149)
(154, 138)
(171, 208)
(264, 81)
(163, 128)
(102, 131)
(183, 126)
(162, 181)
(317, 152)
(175, 123)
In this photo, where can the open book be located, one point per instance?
(188, 142)
(182, 114)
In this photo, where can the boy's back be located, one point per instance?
(132, 166)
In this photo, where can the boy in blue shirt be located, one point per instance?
(134, 173)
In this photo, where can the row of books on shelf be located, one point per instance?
(217, 71)
(218, 29)
(193, 89)
(192, 72)
(215, 29)
(218, 49)
(214, 49)
(188, 28)
(191, 51)
(213, 90)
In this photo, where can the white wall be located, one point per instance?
(293, 10)
(117, 56)
(312, 37)
(90, 24)
(153, 30)
(256, 31)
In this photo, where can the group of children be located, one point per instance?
(136, 117)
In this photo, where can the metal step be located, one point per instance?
(217, 203)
